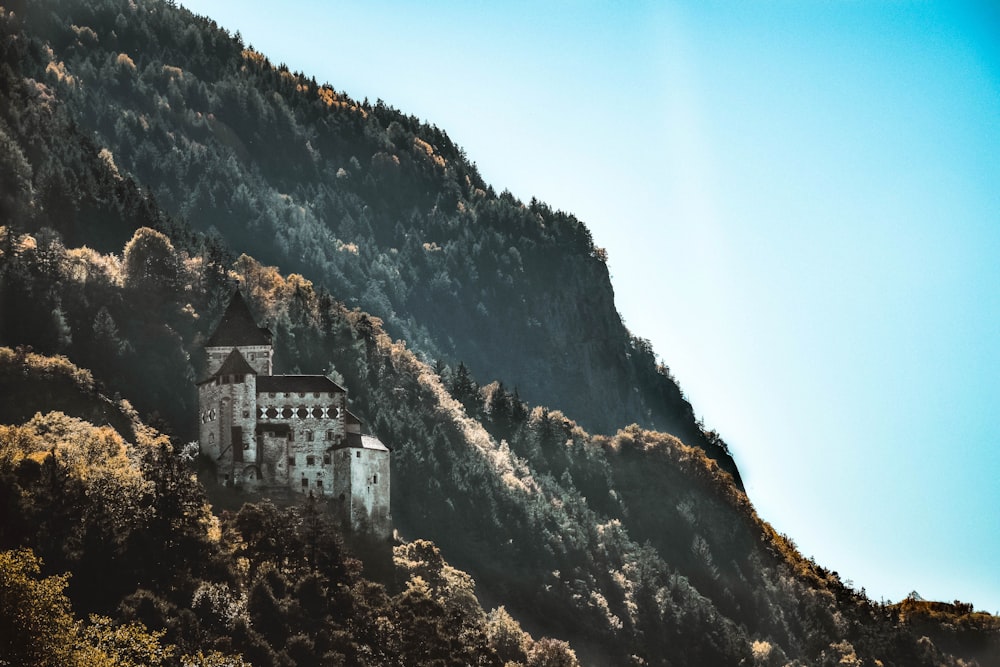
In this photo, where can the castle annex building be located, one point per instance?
(293, 432)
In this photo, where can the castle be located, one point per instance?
(268, 432)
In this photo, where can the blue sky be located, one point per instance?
(801, 204)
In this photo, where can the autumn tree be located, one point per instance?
(150, 263)
(36, 624)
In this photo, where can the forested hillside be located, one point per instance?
(380, 208)
(633, 546)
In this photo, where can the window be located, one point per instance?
(358, 454)
(305, 483)
(302, 394)
(309, 436)
(326, 459)
(246, 414)
(319, 483)
(329, 435)
(310, 460)
(270, 394)
(375, 478)
(291, 436)
(291, 461)
(316, 394)
(211, 438)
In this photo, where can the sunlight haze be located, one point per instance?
(801, 207)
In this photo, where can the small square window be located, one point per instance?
(310, 460)
(291, 461)
(246, 414)
(319, 483)
(305, 482)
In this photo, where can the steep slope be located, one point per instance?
(99, 521)
(380, 208)
(635, 547)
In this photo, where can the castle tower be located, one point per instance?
(361, 479)
(228, 400)
(238, 329)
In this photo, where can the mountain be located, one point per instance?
(149, 163)
(378, 207)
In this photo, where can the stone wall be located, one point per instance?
(315, 423)
(226, 432)
(258, 356)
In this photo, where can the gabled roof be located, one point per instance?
(234, 364)
(371, 442)
(238, 327)
(297, 383)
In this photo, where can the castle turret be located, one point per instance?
(238, 329)
(228, 400)
(361, 479)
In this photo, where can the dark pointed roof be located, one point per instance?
(234, 364)
(237, 326)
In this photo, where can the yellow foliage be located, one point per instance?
(255, 57)
(109, 159)
(84, 265)
(124, 60)
(429, 151)
(126, 645)
(92, 454)
(58, 70)
(85, 34)
(49, 367)
(331, 99)
(39, 626)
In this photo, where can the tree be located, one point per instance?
(150, 263)
(463, 387)
(506, 636)
(36, 624)
(552, 653)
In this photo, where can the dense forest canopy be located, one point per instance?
(151, 163)
(380, 208)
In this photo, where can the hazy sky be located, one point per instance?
(801, 203)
